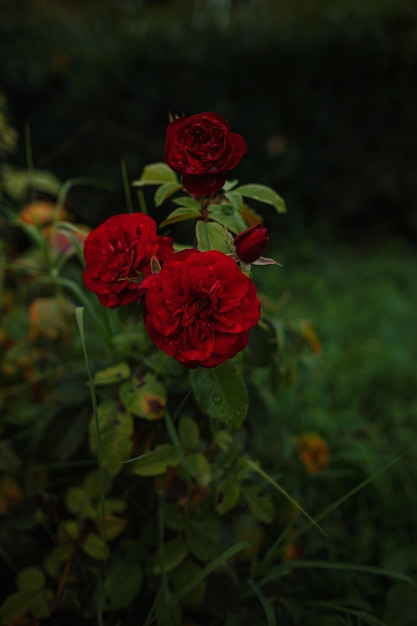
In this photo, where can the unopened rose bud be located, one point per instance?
(251, 243)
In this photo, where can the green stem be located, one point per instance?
(29, 158)
(74, 182)
(69, 284)
(126, 186)
(79, 316)
(161, 522)
(142, 202)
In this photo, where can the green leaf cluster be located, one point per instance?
(225, 210)
(32, 597)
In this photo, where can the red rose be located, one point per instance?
(202, 148)
(118, 253)
(200, 307)
(251, 243)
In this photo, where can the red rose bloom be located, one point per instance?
(251, 244)
(118, 253)
(200, 307)
(202, 149)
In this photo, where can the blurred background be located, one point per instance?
(324, 92)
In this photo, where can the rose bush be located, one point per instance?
(140, 467)
(119, 253)
(202, 149)
(200, 307)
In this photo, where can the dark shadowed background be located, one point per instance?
(325, 94)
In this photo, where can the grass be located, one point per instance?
(362, 305)
(359, 394)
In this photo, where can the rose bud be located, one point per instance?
(251, 243)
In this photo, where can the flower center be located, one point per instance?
(205, 308)
(202, 306)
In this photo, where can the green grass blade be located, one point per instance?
(126, 186)
(269, 611)
(327, 511)
(81, 297)
(161, 528)
(217, 562)
(28, 147)
(145, 455)
(100, 599)
(177, 444)
(82, 181)
(79, 316)
(21, 387)
(335, 505)
(29, 157)
(150, 617)
(181, 404)
(73, 230)
(255, 467)
(361, 615)
(270, 555)
(349, 567)
(142, 202)
(34, 234)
